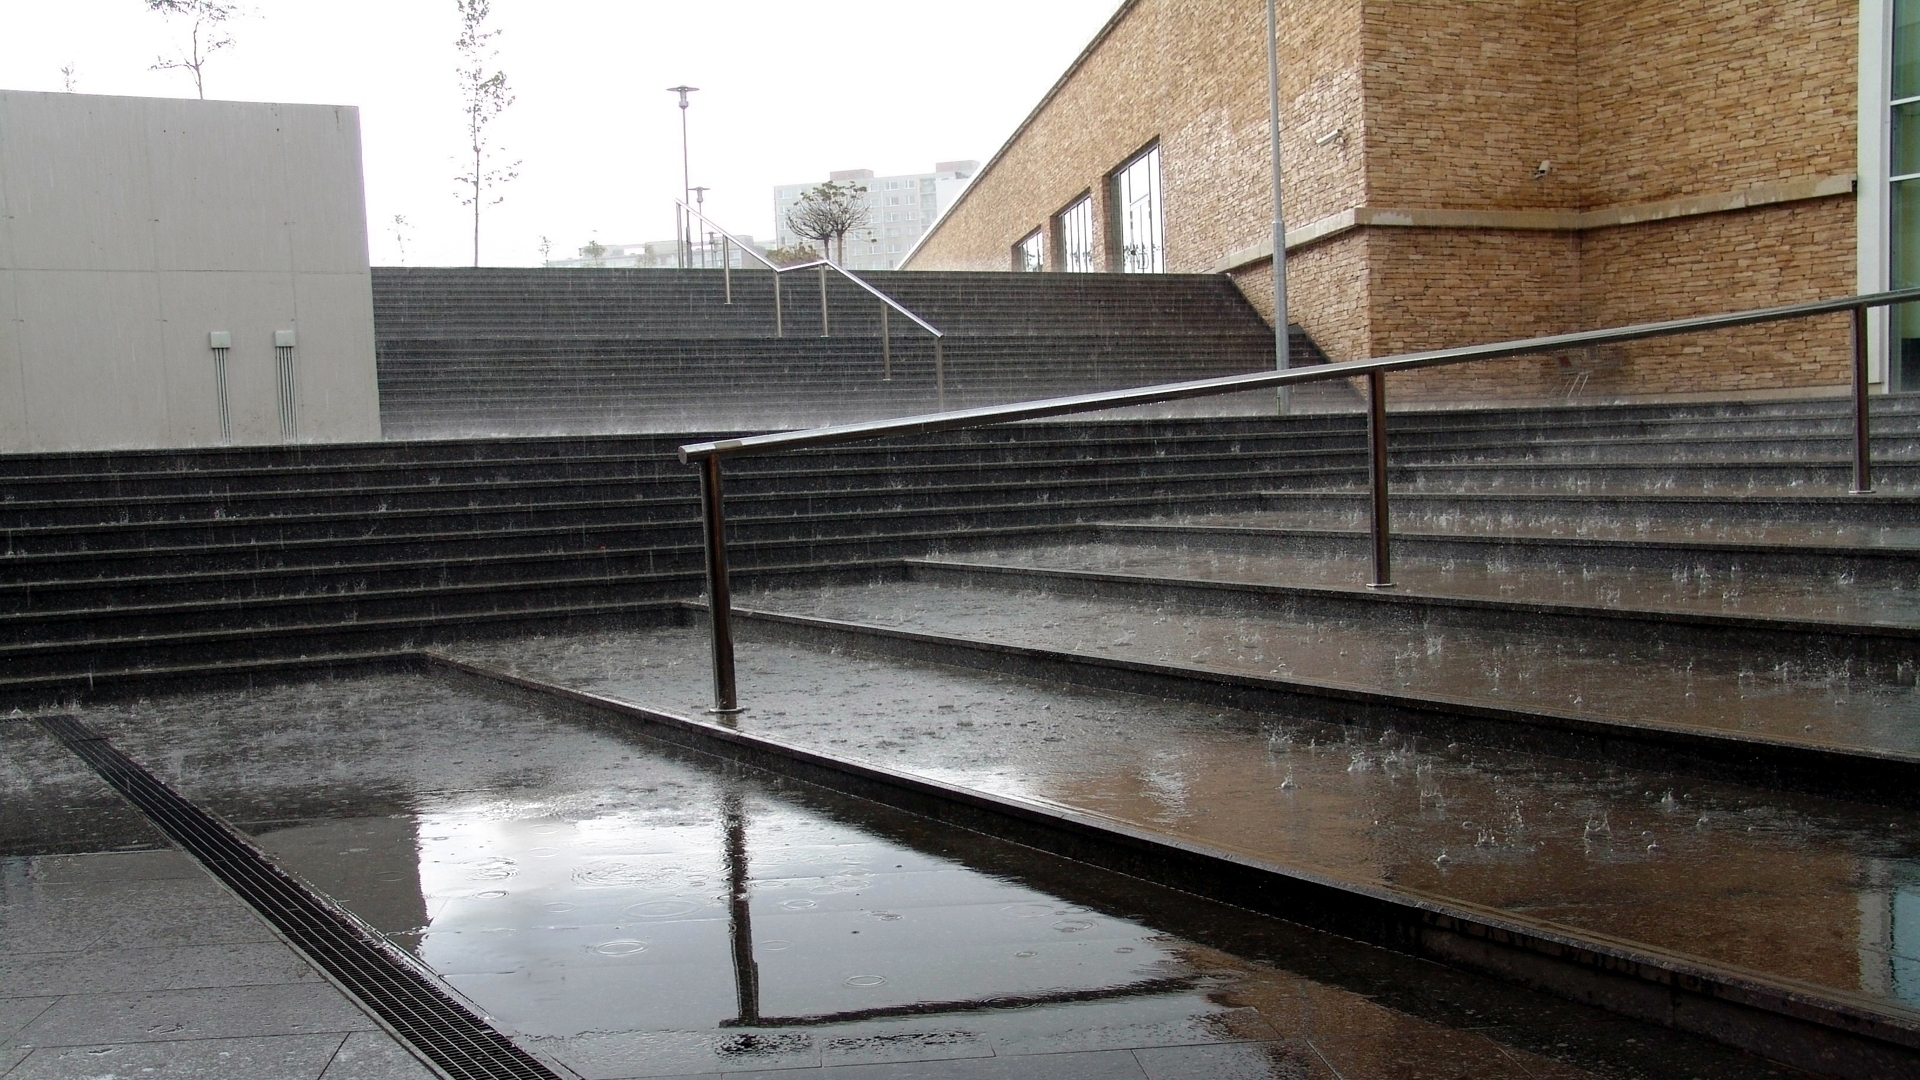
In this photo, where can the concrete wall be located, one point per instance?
(132, 227)
(1700, 151)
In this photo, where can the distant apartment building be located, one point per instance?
(659, 253)
(903, 209)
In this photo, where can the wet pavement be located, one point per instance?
(131, 961)
(627, 910)
(1797, 887)
(1693, 591)
(1844, 702)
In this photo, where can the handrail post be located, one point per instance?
(824, 332)
(1377, 462)
(886, 345)
(779, 330)
(1862, 449)
(726, 265)
(726, 695)
(940, 374)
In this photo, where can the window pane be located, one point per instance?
(1142, 244)
(1906, 49)
(1905, 275)
(1906, 139)
(1076, 237)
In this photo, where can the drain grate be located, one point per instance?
(442, 1029)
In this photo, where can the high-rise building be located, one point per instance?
(903, 208)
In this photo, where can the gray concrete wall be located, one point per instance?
(132, 227)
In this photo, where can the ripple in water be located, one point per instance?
(1028, 911)
(798, 905)
(620, 948)
(776, 945)
(491, 894)
(867, 980)
(618, 875)
(663, 909)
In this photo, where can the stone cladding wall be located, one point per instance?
(1451, 107)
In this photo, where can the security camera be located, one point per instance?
(1541, 172)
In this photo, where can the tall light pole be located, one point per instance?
(686, 176)
(1281, 350)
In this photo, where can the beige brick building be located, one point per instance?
(1459, 172)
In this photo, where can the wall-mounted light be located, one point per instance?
(1337, 135)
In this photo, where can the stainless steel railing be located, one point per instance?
(888, 304)
(708, 455)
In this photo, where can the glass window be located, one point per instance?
(1137, 204)
(1029, 255)
(1904, 364)
(1073, 237)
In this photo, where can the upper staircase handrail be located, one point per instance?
(827, 263)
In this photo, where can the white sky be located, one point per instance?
(790, 90)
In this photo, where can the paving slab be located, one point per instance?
(283, 1057)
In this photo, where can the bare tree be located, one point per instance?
(206, 36)
(68, 73)
(546, 251)
(485, 96)
(828, 213)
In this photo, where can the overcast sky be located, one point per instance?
(789, 90)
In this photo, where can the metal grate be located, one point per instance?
(439, 1027)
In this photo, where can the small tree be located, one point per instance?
(828, 213)
(792, 256)
(594, 250)
(400, 227)
(546, 251)
(205, 37)
(69, 75)
(485, 96)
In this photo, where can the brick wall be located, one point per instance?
(1452, 106)
(1464, 101)
(1695, 97)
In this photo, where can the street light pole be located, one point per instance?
(686, 176)
(1281, 349)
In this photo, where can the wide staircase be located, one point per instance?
(489, 351)
(1645, 682)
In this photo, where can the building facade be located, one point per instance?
(1462, 173)
(902, 208)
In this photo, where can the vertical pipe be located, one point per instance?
(1377, 461)
(1282, 341)
(778, 329)
(726, 265)
(940, 374)
(886, 345)
(1862, 450)
(824, 332)
(726, 697)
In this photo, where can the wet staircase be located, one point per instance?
(465, 352)
(1646, 682)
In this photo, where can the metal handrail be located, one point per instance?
(888, 304)
(863, 283)
(708, 455)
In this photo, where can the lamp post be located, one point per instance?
(1281, 350)
(686, 176)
